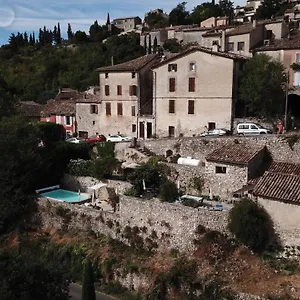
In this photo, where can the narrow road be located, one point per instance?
(75, 293)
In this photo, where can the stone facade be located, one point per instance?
(127, 23)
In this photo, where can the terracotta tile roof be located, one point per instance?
(278, 186)
(126, 18)
(283, 44)
(212, 33)
(59, 107)
(242, 29)
(130, 66)
(88, 98)
(30, 109)
(67, 93)
(232, 153)
(284, 168)
(201, 49)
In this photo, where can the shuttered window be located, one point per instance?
(133, 111)
(94, 109)
(107, 90)
(119, 90)
(192, 84)
(132, 90)
(172, 84)
(171, 106)
(191, 107)
(120, 109)
(108, 109)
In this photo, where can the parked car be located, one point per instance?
(96, 138)
(251, 129)
(216, 132)
(74, 140)
(118, 138)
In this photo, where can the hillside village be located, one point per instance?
(129, 163)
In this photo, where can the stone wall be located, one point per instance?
(167, 225)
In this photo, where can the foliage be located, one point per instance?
(295, 67)
(168, 191)
(50, 132)
(80, 167)
(104, 167)
(198, 184)
(179, 15)
(172, 45)
(106, 149)
(204, 11)
(88, 288)
(156, 19)
(261, 87)
(269, 9)
(251, 224)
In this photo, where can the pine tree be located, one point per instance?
(70, 33)
(41, 36)
(88, 288)
(25, 38)
(33, 38)
(58, 34)
(55, 35)
(30, 39)
(108, 20)
(149, 45)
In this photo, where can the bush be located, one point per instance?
(80, 167)
(104, 167)
(168, 191)
(251, 225)
(50, 132)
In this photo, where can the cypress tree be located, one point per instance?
(155, 45)
(58, 34)
(88, 288)
(70, 33)
(145, 45)
(55, 35)
(108, 20)
(33, 38)
(149, 45)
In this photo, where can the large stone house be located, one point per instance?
(127, 23)
(233, 166)
(126, 98)
(195, 90)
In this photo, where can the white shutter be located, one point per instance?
(58, 120)
(296, 78)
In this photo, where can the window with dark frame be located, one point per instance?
(108, 108)
(94, 109)
(119, 109)
(133, 75)
(192, 84)
(119, 90)
(171, 131)
(192, 67)
(133, 128)
(106, 90)
(106, 75)
(191, 107)
(241, 46)
(230, 46)
(172, 84)
(132, 90)
(68, 120)
(171, 106)
(220, 170)
(172, 67)
(133, 111)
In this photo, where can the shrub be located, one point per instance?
(80, 167)
(104, 167)
(198, 184)
(106, 149)
(168, 191)
(251, 224)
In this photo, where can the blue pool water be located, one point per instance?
(66, 196)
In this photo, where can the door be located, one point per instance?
(142, 130)
(171, 131)
(149, 130)
(211, 126)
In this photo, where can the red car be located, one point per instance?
(96, 138)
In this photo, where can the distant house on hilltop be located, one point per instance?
(127, 23)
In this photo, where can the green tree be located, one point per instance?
(155, 45)
(168, 191)
(251, 224)
(261, 87)
(149, 45)
(179, 15)
(58, 41)
(88, 288)
(172, 45)
(70, 33)
(156, 19)
(204, 11)
(226, 6)
(268, 9)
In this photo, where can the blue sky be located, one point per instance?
(24, 15)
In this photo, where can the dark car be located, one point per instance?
(96, 138)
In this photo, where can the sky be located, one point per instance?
(23, 15)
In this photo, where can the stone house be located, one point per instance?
(195, 90)
(30, 110)
(126, 98)
(214, 22)
(278, 191)
(127, 23)
(148, 38)
(229, 168)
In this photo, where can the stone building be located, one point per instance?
(127, 23)
(195, 90)
(278, 191)
(126, 98)
(30, 110)
(231, 167)
(148, 38)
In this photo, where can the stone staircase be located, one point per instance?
(146, 151)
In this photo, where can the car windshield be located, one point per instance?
(259, 126)
(122, 135)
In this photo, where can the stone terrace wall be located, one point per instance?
(168, 225)
(200, 147)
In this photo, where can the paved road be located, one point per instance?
(75, 293)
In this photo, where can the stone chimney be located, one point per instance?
(223, 41)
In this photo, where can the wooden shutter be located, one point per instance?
(119, 109)
(119, 90)
(108, 109)
(133, 111)
(191, 107)
(171, 106)
(192, 84)
(130, 90)
(172, 84)
(134, 90)
(107, 90)
(96, 109)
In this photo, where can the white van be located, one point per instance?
(251, 129)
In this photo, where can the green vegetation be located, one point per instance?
(251, 225)
(168, 191)
(88, 288)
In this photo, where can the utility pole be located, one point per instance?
(286, 99)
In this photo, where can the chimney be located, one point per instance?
(223, 41)
(112, 60)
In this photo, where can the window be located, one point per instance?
(296, 78)
(94, 109)
(297, 57)
(211, 125)
(171, 131)
(133, 128)
(171, 106)
(192, 84)
(192, 67)
(68, 120)
(106, 75)
(253, 127)
(220, 170)
(94, 122)
(172, 67)
(191, 107)
(106, 90)
(119, 109)
(83, 134)
(58, 119)
(108, 109)
(133, 111)
(241, 46)
(230, 47)
(119, 90)
(133, 75)
(215, 43)
(132, 90)
(171, 84)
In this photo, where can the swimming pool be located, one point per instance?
(66, 196)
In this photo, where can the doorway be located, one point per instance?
(142, 130)
(149, 130)
(211, 126)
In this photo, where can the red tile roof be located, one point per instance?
(30, 109)
(88, 98)
(130, 66)
(278, 186)
(284, 168)
(59, 107)
(241, 153)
